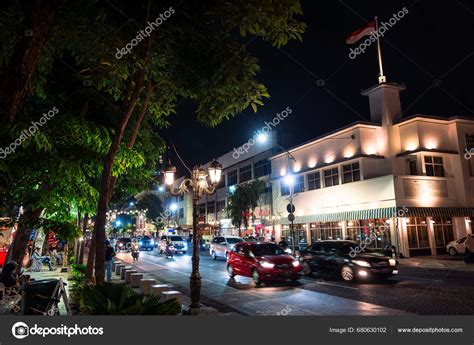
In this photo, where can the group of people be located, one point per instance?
(51, 258)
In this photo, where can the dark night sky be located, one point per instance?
(430, 50)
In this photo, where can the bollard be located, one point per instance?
(156, 290)
(123, 270)
(128, 274)
(135, 279)
(145, 285)
(118, 268)
(167, 295)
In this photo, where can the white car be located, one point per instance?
(457, 247)
(179, 244)
(222, 245)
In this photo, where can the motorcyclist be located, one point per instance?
(135, 251)
(283, 243)
(168, 245)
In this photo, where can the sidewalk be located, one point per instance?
(438, 262)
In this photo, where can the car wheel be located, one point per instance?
(213, 255)
(347, 273)
(230, 271)
(306, 269)
(452, 251)
(256, 277)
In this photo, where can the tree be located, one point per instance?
(243, 201)
(153, 206)
(197, 55)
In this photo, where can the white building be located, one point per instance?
(408, 174)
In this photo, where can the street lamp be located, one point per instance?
(199, 185)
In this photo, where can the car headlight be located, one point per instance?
(392, 262)
(120, 244)
(295, 263)
(288, 250)
(152, 242)
(140, 243)
(361, 263)
(267, 264)
(185, 246)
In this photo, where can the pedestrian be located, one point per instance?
(469, 249)
(109, 255)
(39, 260)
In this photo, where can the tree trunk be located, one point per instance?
(105, 191)
(16, 78)
(82, 246)
(90, 260)
(20, 243)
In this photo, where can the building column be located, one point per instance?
(403, 237)
(308, 234)
(460, 226)
(431, 235)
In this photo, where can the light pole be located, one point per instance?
(199, 186)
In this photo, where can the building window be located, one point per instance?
(202, 209)
(284, 188)
(376, 231)
(267, 189)
(417, 230)
(434, 166)
(211, 207)
(232, 178)
(351, 172)
(411, 166)
(326, 231)
(331, 177)
(443, 231)
(245, 173)
(314, 180)
(299, 184)
(181, 213)
(469, 141)
(220, 205)
(262, 168)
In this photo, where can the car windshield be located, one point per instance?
(233, 240)
(266, 249)
(146, 238)
(176, 238)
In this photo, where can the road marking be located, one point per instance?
(425, 279)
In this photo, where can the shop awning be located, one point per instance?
(386, 212)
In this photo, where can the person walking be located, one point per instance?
(109, 254)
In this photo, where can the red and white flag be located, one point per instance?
(363, 31)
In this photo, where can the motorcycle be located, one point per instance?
(169, 251)
(135, 252)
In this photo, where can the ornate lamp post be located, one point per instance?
(199, 185)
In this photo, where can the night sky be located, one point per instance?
(430, 50)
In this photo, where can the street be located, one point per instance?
(415, 291)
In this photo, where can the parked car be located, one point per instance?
(262, 262)
(457, 247)
(123, 244)
(179, 244)
(340, 257)
(222, 245)
(146, 243)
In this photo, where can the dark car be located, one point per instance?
(341, 258)
(123, 244)
(146, 243)
(262, 262)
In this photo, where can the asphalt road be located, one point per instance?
(416, 290)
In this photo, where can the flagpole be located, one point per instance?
(382, 78)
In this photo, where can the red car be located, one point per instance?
(262, 262)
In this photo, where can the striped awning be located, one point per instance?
(386, 212)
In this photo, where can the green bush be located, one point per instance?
(120, 299)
